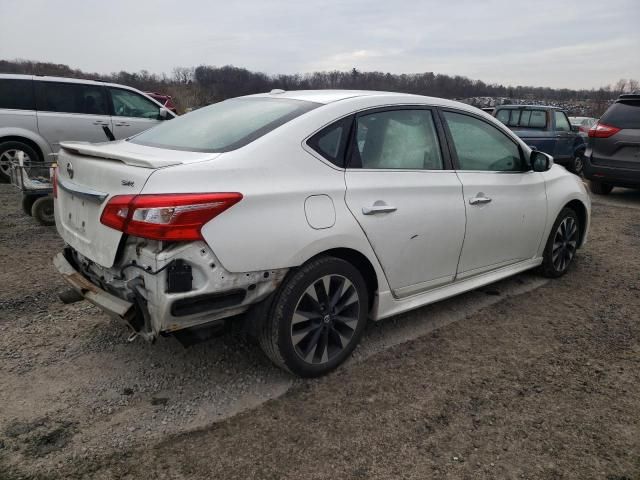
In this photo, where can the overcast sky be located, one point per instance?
(557, 43)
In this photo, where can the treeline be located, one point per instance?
(198, 86)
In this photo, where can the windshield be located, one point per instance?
(224, 126)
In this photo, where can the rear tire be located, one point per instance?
(317, 317)
(600, 188)
(27, 203)
(562, 244)
(42, 211)
(12, 151)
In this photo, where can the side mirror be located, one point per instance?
(539, 161)
(575, 128)
(164, 114)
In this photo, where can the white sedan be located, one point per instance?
(303, 214)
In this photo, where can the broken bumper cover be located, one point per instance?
(109, 303)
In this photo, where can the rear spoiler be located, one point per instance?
(98, 150)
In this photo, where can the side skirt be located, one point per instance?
(388, 306)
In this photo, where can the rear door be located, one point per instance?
(505, 202)
(72, 112)
(406, 197)
(132, 112)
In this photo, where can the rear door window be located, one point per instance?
(538, 119)
(396, 139)
(17, 94)
(71, 98)
(623, 115)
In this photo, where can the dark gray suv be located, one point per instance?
(612, 158)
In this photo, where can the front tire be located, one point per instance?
(317, 318)
(562, 244)
(577, 164)
(600, 188)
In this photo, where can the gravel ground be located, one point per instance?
(522, 379)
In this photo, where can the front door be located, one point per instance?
(132, 113)
(72, 112)
(565, 137)
(505, 202)
(405, 196)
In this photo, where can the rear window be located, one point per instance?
(524, 118)
(224, 126)
(16, 94)
(623, 115)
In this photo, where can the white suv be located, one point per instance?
(312, 211)
(37, 113)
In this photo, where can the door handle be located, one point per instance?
(122, 124)
(100, 122)
(479, 199)
(372, 210)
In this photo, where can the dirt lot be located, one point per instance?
(524, 379)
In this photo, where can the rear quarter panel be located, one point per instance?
(268, 228)
(23, 123)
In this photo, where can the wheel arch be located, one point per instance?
(361, 262)
(581, 211)
(28, 141)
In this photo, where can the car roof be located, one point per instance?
(47, 78)
(538, 107)
(330, 96)
(635, 97)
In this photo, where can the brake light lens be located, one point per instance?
(54, 181)
(171, 217)
(601, 130)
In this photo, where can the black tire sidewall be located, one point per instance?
(287, 300)
(13, 144)
(600, 188)
(547, 264)
(27, 203)
(579, 157)
(39, 208)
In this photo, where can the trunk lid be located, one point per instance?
(89, 175)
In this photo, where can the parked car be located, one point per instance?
(582, 124)
(165, 100)
(547, 129)
(612, 158)
(309, 212)
(37, 113)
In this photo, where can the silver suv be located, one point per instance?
(37, 113)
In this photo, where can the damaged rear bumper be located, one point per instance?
(109, 303)
(172, 287)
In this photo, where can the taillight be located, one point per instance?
(601, 130)
(54, 181)
(174, 216)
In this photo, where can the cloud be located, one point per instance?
(573, 43)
